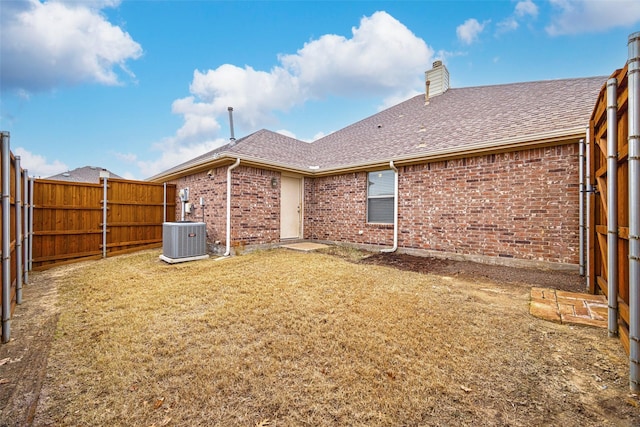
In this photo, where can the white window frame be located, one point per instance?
(386, 196)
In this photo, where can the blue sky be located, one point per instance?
(139, 86)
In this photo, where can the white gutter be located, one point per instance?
(612, 205)
(395, 209)
(633, 79)
(229, 169)
(565, 136)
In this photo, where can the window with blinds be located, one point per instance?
(380, 197)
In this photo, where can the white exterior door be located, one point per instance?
(290, 207)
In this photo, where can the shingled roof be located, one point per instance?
(459, 121)
(83, 174)
(462, 119)
(262, 146)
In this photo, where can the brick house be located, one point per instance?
(488, 174)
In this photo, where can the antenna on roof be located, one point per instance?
(232, 139)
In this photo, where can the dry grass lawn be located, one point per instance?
(282, 338)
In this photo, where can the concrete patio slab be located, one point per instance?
(304, 246)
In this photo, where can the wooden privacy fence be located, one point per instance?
(603, 232)
(613, 204)
(46, 223)
(78, 221)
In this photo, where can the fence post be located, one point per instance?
(30, 257)
(6, 239)
(581, 187)
(591, 282)
(633, 84)
(19, 234)
(105, 176)
(25, 246)
(612, 205)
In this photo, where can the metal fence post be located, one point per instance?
(6, 239)
(19, 233)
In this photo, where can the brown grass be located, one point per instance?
(297, 339)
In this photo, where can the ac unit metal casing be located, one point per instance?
(184, 239)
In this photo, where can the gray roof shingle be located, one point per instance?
(484, 116)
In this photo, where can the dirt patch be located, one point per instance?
(472, 271)
(284, 338)
(23, 359)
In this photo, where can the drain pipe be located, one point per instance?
(633, 76)
(581, 204)
(6, 239)
(229, 169)
(612, 205)
(395, 209)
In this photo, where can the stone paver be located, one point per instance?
(569, 307)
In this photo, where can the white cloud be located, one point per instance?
(582, 16)
(45, 45)
(253, 94)
(38, 165)
(469, 31)
(507, 25)
(526, 8)
(382, 58)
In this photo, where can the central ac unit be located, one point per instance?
(182, 240)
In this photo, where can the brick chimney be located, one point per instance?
(437, 80)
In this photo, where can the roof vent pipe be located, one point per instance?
(426, 92)
(232, 139)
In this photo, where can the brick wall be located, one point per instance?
(521, 205)
(213, 188)
(255, 204)
(336, 210)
